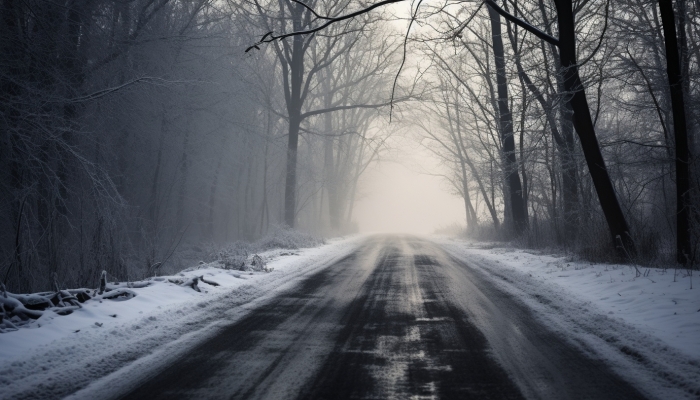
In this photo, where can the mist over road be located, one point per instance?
(398, 318)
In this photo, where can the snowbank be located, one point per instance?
(645, 325)
(58, 355)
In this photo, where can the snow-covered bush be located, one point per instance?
(258, 264)
(234, 255)
(242, 255)
(285, 238)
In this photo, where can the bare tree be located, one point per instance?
(583, 123)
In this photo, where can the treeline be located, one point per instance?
(565, 123)
(526, 94)
(134, 132)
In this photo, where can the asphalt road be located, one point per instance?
(396, 319)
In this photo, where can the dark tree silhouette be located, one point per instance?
(680, 130)
(515, 188)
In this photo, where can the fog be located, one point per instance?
(397, 197)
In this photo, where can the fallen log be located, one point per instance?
(13, 306)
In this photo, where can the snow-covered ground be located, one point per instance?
(58, 355)
(646, 327)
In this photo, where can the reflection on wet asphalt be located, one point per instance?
(397, 319)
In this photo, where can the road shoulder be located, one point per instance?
(88, 360)
(634, 350)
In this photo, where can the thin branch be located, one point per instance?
(341, 108)
(602, 36)
(403, 59)
(104, 92)
(461, 28)
(311, 10)
(271, 37)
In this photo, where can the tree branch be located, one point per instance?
(341, 108)
(311, 10)
(547, 38)
(403, 59)
(271, 37)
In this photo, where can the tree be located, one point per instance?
(617, 223)
(515, 189)
(562, 130)
(113, 117)
(299, 71)
(675, 81)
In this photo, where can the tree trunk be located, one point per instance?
(290, 195)
(265, 210)
(329, 161)
(182, 191)
(567, 154)
(515, 191)
(332, 184)
(482, 187)
(675, 80)
(468, 207)
(472, 221)
(583, 123)
(212, 202)
(294, 103)
(564, 140)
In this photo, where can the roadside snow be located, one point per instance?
(647, 327)
(59, 355)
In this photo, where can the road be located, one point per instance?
(398, 318)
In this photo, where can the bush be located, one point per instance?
(234, 256)
(285, 238)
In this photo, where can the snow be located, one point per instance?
(646, 327)
(58, 355)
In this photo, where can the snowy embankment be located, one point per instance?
(58, 355)
(644, 322)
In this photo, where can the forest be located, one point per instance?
(140, 135)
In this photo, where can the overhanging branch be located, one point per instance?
(517, 21)
(270, 36)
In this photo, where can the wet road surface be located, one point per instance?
(396, 319)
